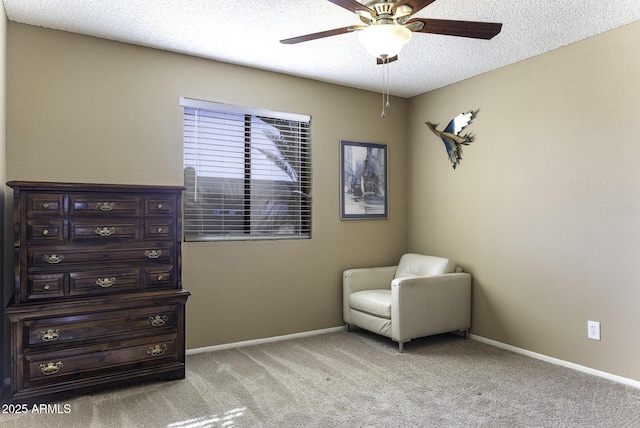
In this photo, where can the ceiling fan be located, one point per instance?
(387, 25)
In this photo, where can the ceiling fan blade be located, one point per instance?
(380, 61)
(352, 5)
(416, 5)
(320, 35)
(471, 29)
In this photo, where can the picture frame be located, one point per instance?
(363, 181)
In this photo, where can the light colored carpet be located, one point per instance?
(358, 380)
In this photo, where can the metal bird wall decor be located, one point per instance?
(451, 137)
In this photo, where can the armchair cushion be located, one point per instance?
(374, 302)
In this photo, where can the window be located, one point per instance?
(247, 173)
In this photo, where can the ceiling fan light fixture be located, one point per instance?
(384, 40)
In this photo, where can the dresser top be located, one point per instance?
(90, 187)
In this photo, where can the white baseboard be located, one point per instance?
(615, 378)
(265, 340)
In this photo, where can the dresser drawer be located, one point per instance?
(41, 257)
(104, 281)
(159, 205)
(45, 231)
(159, 277)
(45, 205)
(45, 286)
(109, 205)
(95, 231)
(158, 229)
(71, 363)
(67, 329)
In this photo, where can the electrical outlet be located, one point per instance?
(593, 330)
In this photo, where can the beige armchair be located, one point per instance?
(421, 296)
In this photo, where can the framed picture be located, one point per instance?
(363, 181)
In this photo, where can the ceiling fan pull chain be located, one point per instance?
(385, 86)
(387, 82)
(382, 115)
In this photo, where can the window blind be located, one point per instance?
(247, 173)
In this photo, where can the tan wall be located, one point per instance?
(544, 209)
(83, 109)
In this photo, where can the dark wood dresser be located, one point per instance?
(98, 296)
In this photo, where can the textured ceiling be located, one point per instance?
(247, 32)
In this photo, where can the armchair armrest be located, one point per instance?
(422, 306)
(364, 279)
(368, 278)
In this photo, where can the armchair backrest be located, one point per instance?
(420, 265)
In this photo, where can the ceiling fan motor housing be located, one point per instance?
(385, 8)
(384, 13)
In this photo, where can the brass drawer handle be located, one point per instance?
(53, 258)
(159, 278)
(45, 232)
(49, 335)
(156, 351)
(160, 206)
(46, 286)
(106, 282)
(106, 206)
(51, 368)
(45, 205)
(105, 231)
(153, 254)
(159, 230)
(158, 320)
